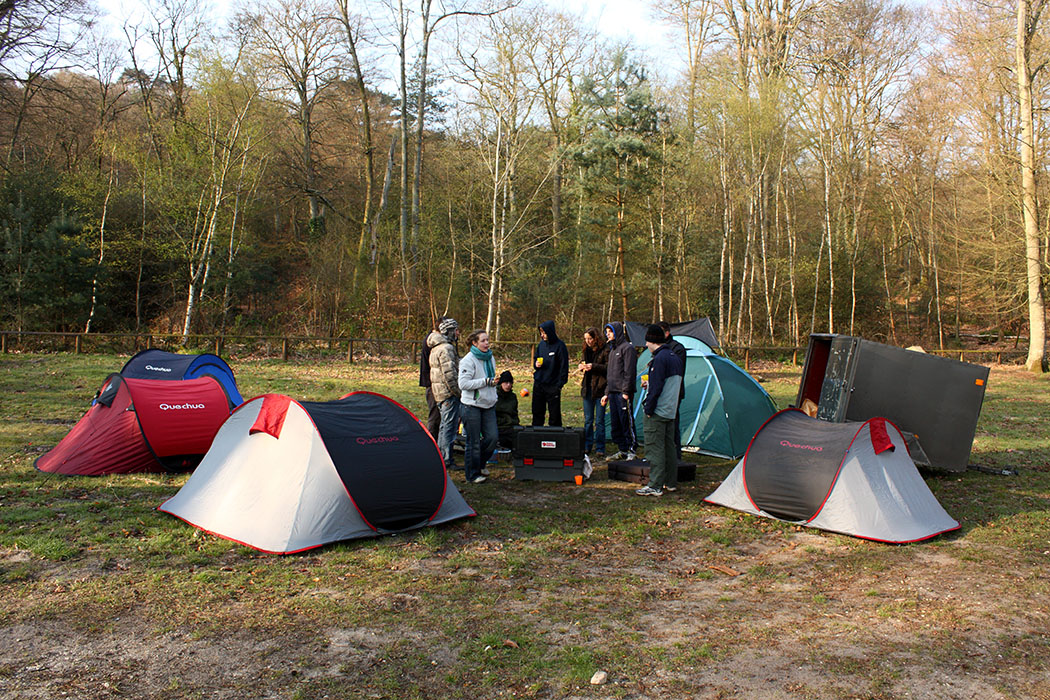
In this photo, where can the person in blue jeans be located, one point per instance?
(444, 383)
(477, 394)
(592, 389)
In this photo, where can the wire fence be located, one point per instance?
(378, 350)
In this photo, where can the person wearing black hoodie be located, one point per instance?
(550, 372)
(619, 390)
(679, 350)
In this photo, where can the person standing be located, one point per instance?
(477, 385)
(433, 410)
(444, 383)
(592, 389)
(665, 374)
(550, 372)
(679, 350)
(619, 389)
(506, 409)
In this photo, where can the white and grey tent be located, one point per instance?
(851, 478)
(284, 476)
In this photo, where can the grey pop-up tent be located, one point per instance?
(284, 476)
(851, 478)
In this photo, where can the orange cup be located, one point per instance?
(579, 479)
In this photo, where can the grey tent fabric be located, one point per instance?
(851, 478)
(283, 478)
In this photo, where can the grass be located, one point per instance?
(549, 583)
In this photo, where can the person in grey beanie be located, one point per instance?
(444, 383)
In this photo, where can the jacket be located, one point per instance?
(554, 372)
(593, 384)
(623, 360)
(444, 367)
(679, 350)
(506, 410)
(473, 383)
(666, 373)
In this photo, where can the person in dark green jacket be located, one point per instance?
(506, 409)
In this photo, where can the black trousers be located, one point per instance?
(543, 402)
(433, 414)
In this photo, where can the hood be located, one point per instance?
(436, 338)
(548, 328)
(617, 329)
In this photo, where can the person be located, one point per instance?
(662, 383)
(619, 389)
(444, 383)
(506, 409)
(550, 372)
(433, 410)
(679, 350)
(592, 389)
(477, 386)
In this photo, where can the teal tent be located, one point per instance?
(723, 406)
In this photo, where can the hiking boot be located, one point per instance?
(649, 491)
(478, 480)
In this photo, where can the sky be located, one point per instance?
(616, 20)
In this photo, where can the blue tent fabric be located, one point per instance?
(161, 364)
(723, 406)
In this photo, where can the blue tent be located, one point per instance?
(723, 406)
(160, 364)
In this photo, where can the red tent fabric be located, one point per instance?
(142, 425)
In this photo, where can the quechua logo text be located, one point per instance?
(181, 406)
(151, 368)
(797, 446)
(380, 439)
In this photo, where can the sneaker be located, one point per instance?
(484, 471)
(670, 489)
(649, 491)
(630, 456)
(617, 456)
(478, 480)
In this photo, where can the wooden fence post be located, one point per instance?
(3, 343)
(747, 359)
(350, 351)
(76, 345)
(284, 349)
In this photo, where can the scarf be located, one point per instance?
(486, 359)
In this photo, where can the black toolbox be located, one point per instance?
(637, 471)
(546, 453)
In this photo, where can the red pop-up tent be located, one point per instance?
(142, 425)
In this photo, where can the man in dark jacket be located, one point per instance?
(550, 372)
(679, 350)
(619, 388)
(662, 382)
(433, 410)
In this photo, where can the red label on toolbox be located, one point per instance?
(548, 444)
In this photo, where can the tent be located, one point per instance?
(851, 478)
(285, 476)
(160, 364)
(142, 425)
(723, 405)
(700, 329)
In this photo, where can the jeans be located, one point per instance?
(447, 432)
(480, 430)
(593, 425)
(660, 451)
(622, 422)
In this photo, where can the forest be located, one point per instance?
(339, 169)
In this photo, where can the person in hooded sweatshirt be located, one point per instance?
(619, 389)
(662, 383)
(550, 372)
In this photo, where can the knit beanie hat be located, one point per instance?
(506, 376)
(447, 326)
(655, 334)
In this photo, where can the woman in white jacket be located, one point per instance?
(477, 386)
